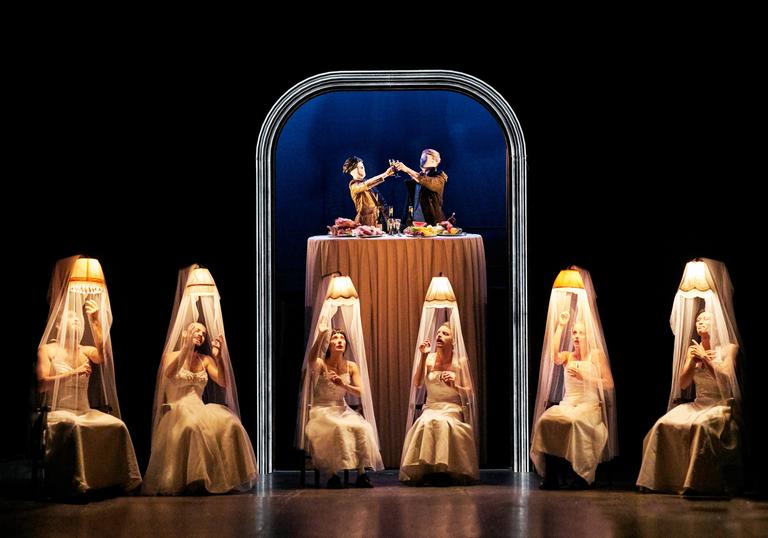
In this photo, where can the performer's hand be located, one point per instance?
(699, 353)
(448, 378)
(693, 353)
(92, 309)
(187, 339)
(216, 346)
(334, 377)
(572, 371)
(322, 324)
(425, 346)
(84, 369)
(564, 317)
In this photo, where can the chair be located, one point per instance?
(306, 465)
(38, 447)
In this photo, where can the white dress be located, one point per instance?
(197, 445)
(695, 446)
(85, 448)
(574, 428)
(439, 440)
(338, 437)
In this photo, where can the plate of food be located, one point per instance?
(453, 232)
(448, 229)
(342, 228)
(420, 231)
(366, 232)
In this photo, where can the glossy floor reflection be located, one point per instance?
(504, 504)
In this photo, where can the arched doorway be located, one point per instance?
(516, 367)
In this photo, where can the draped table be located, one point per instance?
(391, 275)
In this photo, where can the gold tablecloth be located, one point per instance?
(391, 275)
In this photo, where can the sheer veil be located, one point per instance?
(574, 292)
(706, 285)
(77, 285)
(343, 313)
(197, 301)
(439, 307)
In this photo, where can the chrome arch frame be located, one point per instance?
(516, 204)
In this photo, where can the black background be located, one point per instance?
(138, 149)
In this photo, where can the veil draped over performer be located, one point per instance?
(334, 384)
(198, 441)
(696, 447)
(88, 446)
(575, 412)
(441, 443)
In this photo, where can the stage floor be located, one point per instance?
(504, 504)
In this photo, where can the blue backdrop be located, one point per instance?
(311, 190)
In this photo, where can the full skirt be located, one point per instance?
(573, 432)
(88, 451)
(340, 438)
(440, 442)
(693, 447)
(199, 446)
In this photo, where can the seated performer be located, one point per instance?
(575, 408)
(695, 449)
(338, 437)
(440, 447)
(88, 447)
(198, 442)
(335, 379)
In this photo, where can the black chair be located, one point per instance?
(306, 465)
(38, 447)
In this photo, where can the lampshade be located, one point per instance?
(569, 278)
(695, 277)
(87, 276)
(341, 287)
(201, 282)
(440, 291)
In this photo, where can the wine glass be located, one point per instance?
(392, 162)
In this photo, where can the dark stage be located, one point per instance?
(146, 162)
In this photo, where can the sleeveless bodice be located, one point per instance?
(576, 390)
(187, 382)
(72, 391)
(327, 393)
(437, 391)
(707, 388)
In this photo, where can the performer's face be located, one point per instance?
(197, 333)
(704, 323)
(338, 342)
(444, 337)
(428, 160)
(74, 325)
(578, 335)
(359, 171)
